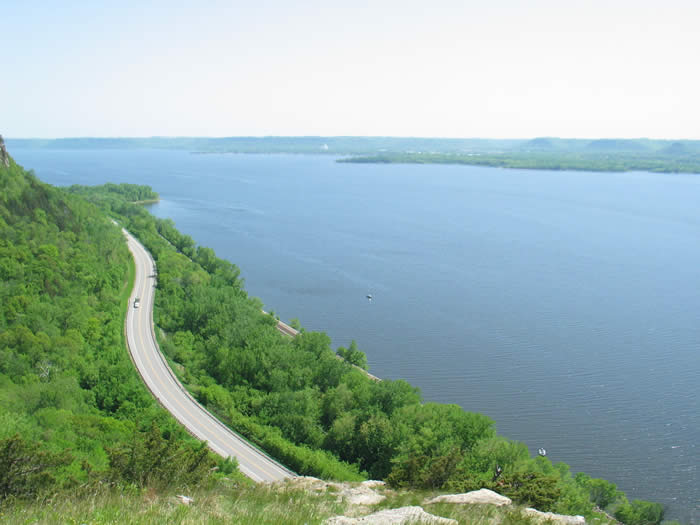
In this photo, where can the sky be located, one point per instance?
(438, 68)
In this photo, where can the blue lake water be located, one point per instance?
(564, 305)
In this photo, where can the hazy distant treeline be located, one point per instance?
(374, 145)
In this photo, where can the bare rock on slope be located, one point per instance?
(481, 496)
(363, 494)
(4, 157)
(354, 494)
(555, 518)
(400, 516)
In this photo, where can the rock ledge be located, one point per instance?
(4, 157)
(555, 518)
(400, 516)
(481, 496)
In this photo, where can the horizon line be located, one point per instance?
(406, 137)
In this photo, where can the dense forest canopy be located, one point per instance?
(72, 407)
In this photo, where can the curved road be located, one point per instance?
(161, 381)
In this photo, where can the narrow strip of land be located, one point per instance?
(161, 380)
(285, 329)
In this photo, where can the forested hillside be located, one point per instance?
(662, 161)
(319, 415)
(73, 411)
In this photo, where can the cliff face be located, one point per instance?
(4, 157)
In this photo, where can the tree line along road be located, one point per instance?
(169, 392)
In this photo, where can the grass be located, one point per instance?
(258, 504)
(235, 502)
(128, 285)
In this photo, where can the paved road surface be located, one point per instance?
(167, 389)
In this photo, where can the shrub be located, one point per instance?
(26, 471)
(640, 512)
(530, 488)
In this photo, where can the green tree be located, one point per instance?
(353, 355)
(640, 512)
(601, 492)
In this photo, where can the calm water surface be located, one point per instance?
(564, 305)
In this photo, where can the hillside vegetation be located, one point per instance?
(73, 411)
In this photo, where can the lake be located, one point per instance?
(564, 305)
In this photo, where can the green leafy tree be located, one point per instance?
(640, 512)
(601, 492)
(353, 355)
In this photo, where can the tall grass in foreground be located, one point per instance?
(255, 505)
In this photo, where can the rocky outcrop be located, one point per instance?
(400, 516)
(554, 518)
(359, 494)
(4, 157)
(489, 497)
(363, 494)
(481, 496)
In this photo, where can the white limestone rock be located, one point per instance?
(354, 494)
(307, 483)
(4, 157)
(371, 483)
(185, 500)
(362, 495)
(400, 516)
(481, 496)
(555, 518)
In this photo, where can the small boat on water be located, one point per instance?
(369, 296)
(542, 452)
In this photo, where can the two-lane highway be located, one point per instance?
(161, 380)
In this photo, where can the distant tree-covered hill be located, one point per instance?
(345, 145)
(550, 153)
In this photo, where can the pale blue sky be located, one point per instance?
(498, 68)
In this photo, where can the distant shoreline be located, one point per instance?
(534, 161)
(541, 153)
